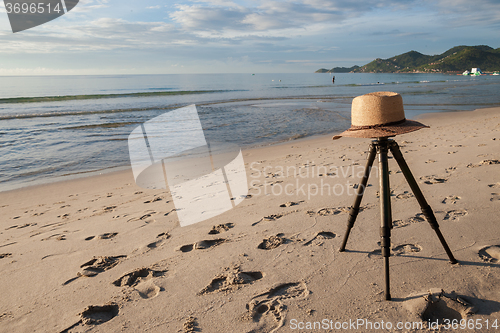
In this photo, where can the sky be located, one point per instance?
(101, 37)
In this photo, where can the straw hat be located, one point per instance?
(379, 114)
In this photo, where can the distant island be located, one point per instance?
(455, 60)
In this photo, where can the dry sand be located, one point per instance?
(100, 254)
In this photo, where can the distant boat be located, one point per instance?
(495, 73)
(466, 73)
(476, 71)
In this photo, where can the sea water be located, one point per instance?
(53, 127)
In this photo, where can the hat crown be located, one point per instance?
(377, 108)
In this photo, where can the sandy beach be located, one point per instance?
(101, 254)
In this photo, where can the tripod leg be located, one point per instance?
(426, 209)
(385, 210)
(353, 213)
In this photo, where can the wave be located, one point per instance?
(42, 99)
(80, 113)
(362, 84)
(105, 125)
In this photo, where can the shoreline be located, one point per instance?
(319, 137)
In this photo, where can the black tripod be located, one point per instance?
(381, 147)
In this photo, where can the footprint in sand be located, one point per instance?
(272, 217)
(454, 215)
(94, 315)
(136, 276)
(148, 290)
(141, 279)
(405, 195)
(433, 179)
(397, 250)
(272, 242)
(406, 249)
(483, 162)
(217, 229)
(495, 197)
(437, 307)
(451, 199)
(291, 203)
(145, 217)
(202, 245)
(490, 253)
(417, 218)
(267, 309)
(22, 226)
(231, 280)
(155, 199)
(268, 314)
(59, 237)
(320, 238)
(96, 265)
(190, 325)
(329, 211)
(496, 185)
(5, 255)
(108, 209)
(161, 238)
(451, 169)
(107, 235)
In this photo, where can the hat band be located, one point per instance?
(378, 126)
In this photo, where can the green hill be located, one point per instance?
(456, 59)
(338, 69)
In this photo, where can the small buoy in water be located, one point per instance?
(280, 80)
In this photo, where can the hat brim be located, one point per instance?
(382, 131)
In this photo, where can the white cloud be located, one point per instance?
(463, 12)
(208, 18)
(221, 3)
(98, 35)
(89, 5)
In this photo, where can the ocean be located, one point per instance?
(59, 127)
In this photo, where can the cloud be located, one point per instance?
(85, 6)
(221, 3)
(208, 18)
(226, 18)
(464, 13)
(98, 35)
(267, 15)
